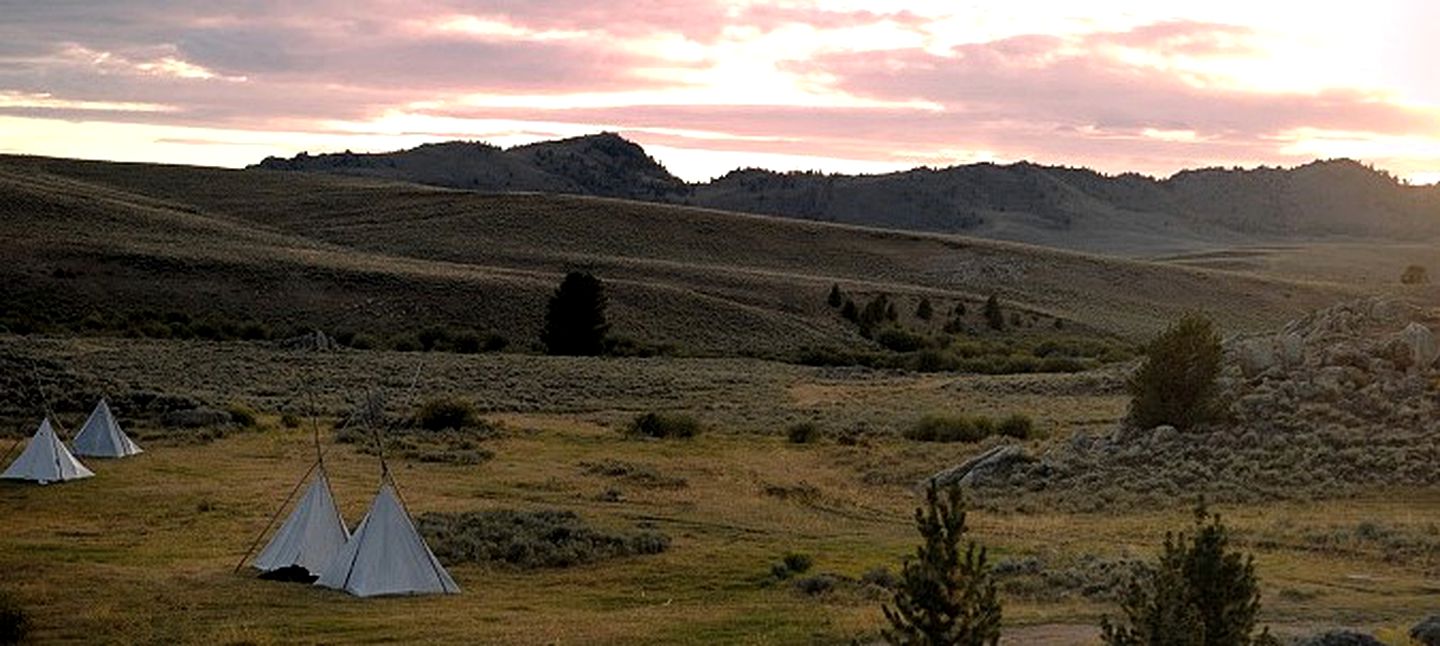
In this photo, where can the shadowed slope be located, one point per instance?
(305, 249)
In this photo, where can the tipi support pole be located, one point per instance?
(268, 525)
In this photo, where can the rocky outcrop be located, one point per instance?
(1362, 363)
(989, 468)
(1344, 398)
(1427, 632)
(316, 341)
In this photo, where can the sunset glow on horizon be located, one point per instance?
(710, 85)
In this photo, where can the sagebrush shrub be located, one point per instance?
(665, 425)
(440, 413)
(527, 540)
(803, 433)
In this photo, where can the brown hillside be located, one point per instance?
(315, 250)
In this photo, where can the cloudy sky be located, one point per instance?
(710, 85)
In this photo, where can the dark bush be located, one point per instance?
(14, 620)
(880, 577)
(665, 425)
(290, 420)
(924, 310)
(948, 428)
(440, 413)
(898, 339)
(790, 565)
(816, 585)
(362, 342)
(994, 315)
(528, 540)
(1415, 275)
(433, 338)
(932, 360)
(241, 415)
(1016, 425)
(803, 433)
(254, 332)
(836, 298)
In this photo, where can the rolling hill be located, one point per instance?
(1072, 208)
(101, 241)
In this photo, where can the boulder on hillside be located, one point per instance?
(1420, 342)
(990, 467)
(1427, 632)
(316, 341)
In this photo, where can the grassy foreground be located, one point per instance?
(143, 553)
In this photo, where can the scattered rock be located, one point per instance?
(316, 341)
(1420, 341)
(1427, 632)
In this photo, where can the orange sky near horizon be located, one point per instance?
(711, 85)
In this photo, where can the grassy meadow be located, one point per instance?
(144, 552)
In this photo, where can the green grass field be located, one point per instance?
(144, 551)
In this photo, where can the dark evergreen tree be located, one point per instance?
(1176, 384)
(575, 321)
(944, 597)
(875, 312)
(836, 299)
(924, 310)
(994, 316)
(1199, 593)
(850, 312)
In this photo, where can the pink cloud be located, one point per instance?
(1039, 79)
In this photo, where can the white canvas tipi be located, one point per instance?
(387, 556)
(311, 536)
(46, 460)
(101, 436)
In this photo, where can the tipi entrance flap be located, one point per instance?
(102, 437)
(45, 460)
(312, 534)
(387, 556)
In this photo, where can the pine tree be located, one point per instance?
(850, 312)
(994, 316)
(1176, 384)
(924, 310)
(575, 321)
(836, 299)
(1199, 593)
(944, 598)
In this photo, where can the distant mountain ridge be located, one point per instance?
(1057, 206)
(603, 165)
